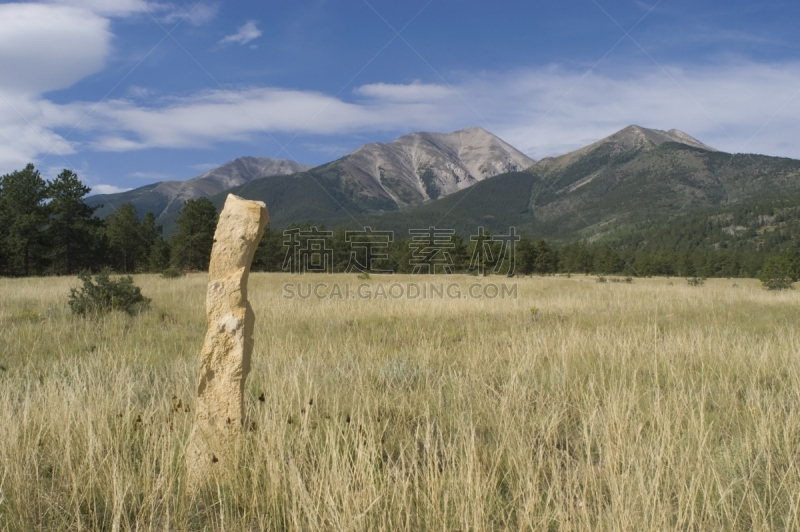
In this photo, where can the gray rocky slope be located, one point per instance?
(419, 167)
(168, 197)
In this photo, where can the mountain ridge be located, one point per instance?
(423, 166)
(411, 170)
(611, 187)
(166, 197)
(633, 176)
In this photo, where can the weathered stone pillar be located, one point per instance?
(225, 361)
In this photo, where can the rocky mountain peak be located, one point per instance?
(626, 140)
(168, 197)
(635, 136)
(424, 166)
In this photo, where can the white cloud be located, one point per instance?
(202, 120)
(135, 91)
(197, 13)
(738, 107)
(49, 47)
(243, 35)
(543, 112)
(110, 7)
(107, 189)
(414, 92)
(43, 48)
(27, 130)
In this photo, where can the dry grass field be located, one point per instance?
(577, 406)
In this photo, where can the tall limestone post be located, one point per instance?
(225, 361)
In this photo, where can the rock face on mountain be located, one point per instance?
(409, 171)
(470, 178)
(634, 178)
(168, 197)
(425, 166)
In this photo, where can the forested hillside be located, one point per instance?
(46, 228)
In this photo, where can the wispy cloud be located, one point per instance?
(135, 91)
(724, 106)
(248, 32)
(167, 12)
(194, 14)
(413, 92)
(107, 189)
(112, 8)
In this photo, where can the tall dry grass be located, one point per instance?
(579, 405)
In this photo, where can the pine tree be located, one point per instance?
(526, 257)
(546, 260)
(124, 234)
(131, 241)
(192, 242)
(72, 227)
(270, 253)
(685, 265)
(158, 258)
(24, 217)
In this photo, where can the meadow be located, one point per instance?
(651, 405)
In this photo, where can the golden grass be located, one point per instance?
(577, 406)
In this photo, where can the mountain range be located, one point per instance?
(167, 197)
(409, 171)
(634, 178)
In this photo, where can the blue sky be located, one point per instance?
(129, 92)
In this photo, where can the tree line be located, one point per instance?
(46, 228)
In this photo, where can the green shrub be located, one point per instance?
(696, 281)
(776, 274)
(103, 295)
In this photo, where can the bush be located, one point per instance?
(104, 295)
(776, 274)
(696, 281)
